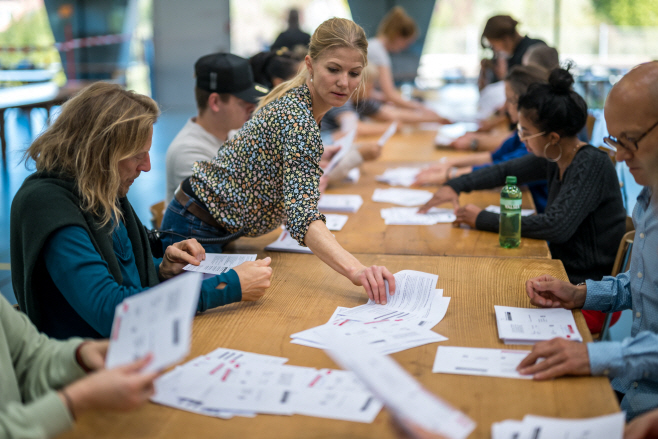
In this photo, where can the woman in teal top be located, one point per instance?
(77, 247)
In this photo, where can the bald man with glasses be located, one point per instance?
(631, 113)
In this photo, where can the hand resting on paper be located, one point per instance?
(255, 278)
(561, 357)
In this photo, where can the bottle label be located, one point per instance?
(510, 204)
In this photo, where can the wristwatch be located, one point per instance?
(474, 144)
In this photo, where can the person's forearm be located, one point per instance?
(479, 158)
(46, 416)
(371, 128)
(323, 244)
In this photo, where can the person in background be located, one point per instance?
(396, 32)
(77, 247)
(631, 114)
(226, 94)
(269, 172)
(46, 384)
(273, 68)
(501, 36)
(585, 218)
(292, 37)
(516, 84)
(543, 56)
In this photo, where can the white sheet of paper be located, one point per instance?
(218, 263)
(478, 361)
(353, 176)
(402, 197)
(340, 203)
(409, 216)
(509, 429)
(450, 132)
(348, 406)
(402, 176)
(335, 221)
(391, 384)
(286, 243)
(387, 134)
(539, 427)
(530, 325)
(496, 209)
(157, 321)
(345, 144)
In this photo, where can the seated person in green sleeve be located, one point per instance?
(43, 383)
(77, 247)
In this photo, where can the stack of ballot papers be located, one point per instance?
(539, 427)
(496, 209)
(500, 363)
(218, 263)
(227, 383)
(409, 216)
(286, 243)
(399, 176)
(403, 323)
(157, 322)
(396, 388)
(448, 133)
(340, 203)
(403, 197)
(530, 325)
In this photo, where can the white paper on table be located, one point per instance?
(352, 406)
(479, 361)
(391, 384)
(340, 203)
(157, 321)
(409, 216)
(414, 296)
(335, 221)
(403, 197)
(286, 243)
(450, 132)
(496, 209)
(218, 263)
(353, 176)
(402, 176)
(530, 325)
(345, 144)
(509, 429)
(608, 427)
(387, 134)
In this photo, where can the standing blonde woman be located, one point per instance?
(269, 172)
(77, 246)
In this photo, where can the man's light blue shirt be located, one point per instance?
(633, 363)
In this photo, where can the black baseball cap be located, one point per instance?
(228, 73)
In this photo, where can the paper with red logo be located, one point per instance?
(530, 325)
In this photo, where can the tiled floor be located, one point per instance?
(148, 189)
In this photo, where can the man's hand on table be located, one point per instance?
(561, 357)
(547, 292)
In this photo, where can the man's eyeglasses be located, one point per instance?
(627, 144)
(523, 137)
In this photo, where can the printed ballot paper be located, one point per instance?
(409, 216)
(227, 383)
(387, 134)
(335, 221)
(403, 197)
(391, 384)
(346, 142)
(399, 176)
(218, 263)
(530, 325)
(340, 203)
(286, 243)
(157, 321)
(479, 361)
(403, 323)
(538, 427)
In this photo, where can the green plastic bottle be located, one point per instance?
(509, 234)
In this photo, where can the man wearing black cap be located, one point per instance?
(226, 95)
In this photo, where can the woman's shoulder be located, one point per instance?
(292, 107)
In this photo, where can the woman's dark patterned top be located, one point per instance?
(268, 173)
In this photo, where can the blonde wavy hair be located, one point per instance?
(331, 34)
(100, 126)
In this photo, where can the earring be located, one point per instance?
(555, 160)
(311, 79)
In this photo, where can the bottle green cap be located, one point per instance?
(510, 179)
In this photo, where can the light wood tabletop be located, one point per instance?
(304, 294)
(413, 144)
(366, 232)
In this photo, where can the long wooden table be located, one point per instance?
(410, 144)
(304, 294)
(366, 232)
